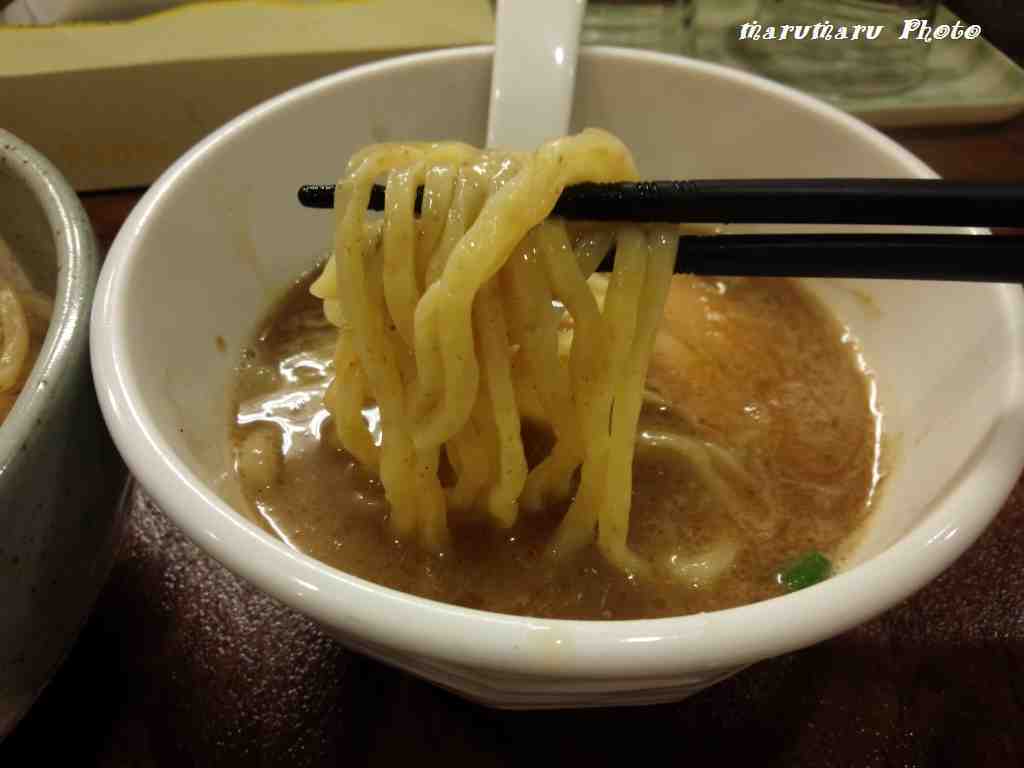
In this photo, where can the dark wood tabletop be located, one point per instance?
(182, 664)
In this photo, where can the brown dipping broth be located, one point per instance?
(755, 366)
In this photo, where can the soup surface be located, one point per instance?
(750, 375)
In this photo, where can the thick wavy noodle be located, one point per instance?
(24, 318)
(476, 315)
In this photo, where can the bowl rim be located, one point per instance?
(77, 270)
(379, 617)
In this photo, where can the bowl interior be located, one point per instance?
(35, 227)
(25, 229)
(222, 236)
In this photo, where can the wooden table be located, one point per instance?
(182, 664)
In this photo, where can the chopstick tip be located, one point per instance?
(316, 195)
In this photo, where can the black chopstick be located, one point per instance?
(965, 258)
(923, 202)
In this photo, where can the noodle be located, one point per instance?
(450, 322)
(15, 343)
(24, 318)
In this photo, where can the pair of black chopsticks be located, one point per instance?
(903, 202)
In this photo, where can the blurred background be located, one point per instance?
(144, 88)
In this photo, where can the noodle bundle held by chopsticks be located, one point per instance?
(478, 314)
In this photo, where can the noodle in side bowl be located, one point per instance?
(24, 319)
(951, 400)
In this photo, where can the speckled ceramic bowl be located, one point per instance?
(217, 238)
(57, 528)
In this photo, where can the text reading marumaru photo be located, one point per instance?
(911, 29)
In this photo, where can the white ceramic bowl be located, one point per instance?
(219, 235)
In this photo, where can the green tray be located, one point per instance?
(968, 82)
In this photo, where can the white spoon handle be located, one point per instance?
(536, 43)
